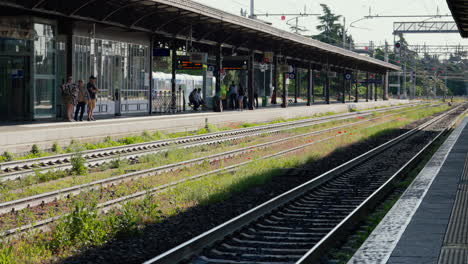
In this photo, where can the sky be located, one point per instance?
(377, 29)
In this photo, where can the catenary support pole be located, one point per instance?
(386, 79)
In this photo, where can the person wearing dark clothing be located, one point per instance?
(92, 91)
(256, 99)
(193, 99)
(233, 94)
(200, 100)
(83, 97)
(241, 97)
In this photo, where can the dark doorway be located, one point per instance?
(14, 72)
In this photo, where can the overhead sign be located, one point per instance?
(236, 62)
(199, 57)
(161, 52)
(184, 63)
(292, 72)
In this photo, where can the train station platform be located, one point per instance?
(18, 138)
(429, 224)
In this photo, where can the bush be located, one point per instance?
(82, 227)
(35, 150)
(7, 156)
(78, 163)
(56, 148)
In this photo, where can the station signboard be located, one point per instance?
(236, 63)
(184, 63)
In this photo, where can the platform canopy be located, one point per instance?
(459, 10)
(183, 18)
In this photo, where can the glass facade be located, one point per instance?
(121, 69)
(44, 66)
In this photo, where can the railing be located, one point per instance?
(163, 102)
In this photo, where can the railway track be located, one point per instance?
(18, 169)
(299, 226)
(46, 198)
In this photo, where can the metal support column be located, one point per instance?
(343, 83)
(218, 105)
(251, 80)
(356, 77)
(386, 80)
(275, 81)
(173, 81)
(367, 86)
(150, 100)
(297, 85)
(285, 90)
(376, 88)
(327, 85)
(310, 86)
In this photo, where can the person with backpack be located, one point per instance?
(83, 97)
(69, 97)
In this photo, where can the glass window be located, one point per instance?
(44, 70)
(44, 97)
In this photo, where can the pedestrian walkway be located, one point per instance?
(429, 224)
(18, 138)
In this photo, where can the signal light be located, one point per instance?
(283, 18)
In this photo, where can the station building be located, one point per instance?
(44, 41)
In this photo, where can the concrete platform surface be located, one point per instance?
(19, 138)
(429, 224)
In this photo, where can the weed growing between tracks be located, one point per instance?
(205, 191)
(52, 180)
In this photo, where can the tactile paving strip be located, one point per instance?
(455, 249)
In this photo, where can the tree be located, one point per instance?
(331, 29)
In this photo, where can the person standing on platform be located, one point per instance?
(200, 97)
(233, 93)
(241, 97)
(83, 97)
(193, 99)
(69, 94)
(92, 90)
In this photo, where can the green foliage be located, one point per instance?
(56, 148)
(118, 163)
(78, 163)
(7, 156)
(6, 255)
(35, 150)
(82, 227)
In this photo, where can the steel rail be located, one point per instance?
(45, 198)
(43, 225)
(17, 169)
(199, 243)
